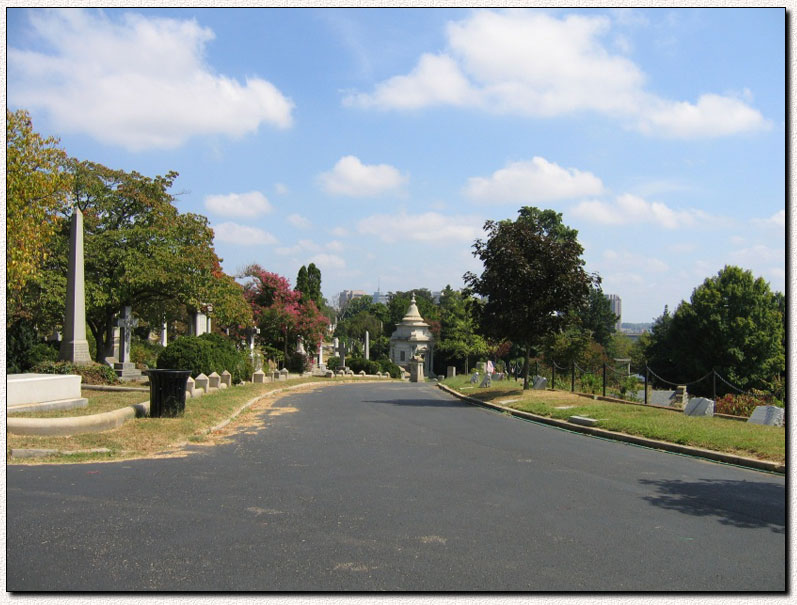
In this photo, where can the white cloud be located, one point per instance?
(328, 262)
(428, 227)
(533, 64)
(298, 221)
(251, 204)
(340, 232)
(712, 116)
(242, 235)
(335, 246)
(534, 181)
(629, 209)
(351, 177)
(141, 83)
(776, 220)
(303, 245)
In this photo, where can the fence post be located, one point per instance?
(604, 379)
(573, 377)
(553, 375)
(536, 368)
(646, 384)
(714, 384)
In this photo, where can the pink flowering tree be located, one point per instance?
(281, 315)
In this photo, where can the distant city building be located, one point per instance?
(436, 297)
(347, 296)
(616, 306)
(379, 297)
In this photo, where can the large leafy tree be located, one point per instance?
(38, 184)
(733, 323)
(138, 251)
(598, 318)
(533, 279)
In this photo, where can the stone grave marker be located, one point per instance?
(202, 383)
(125, 368)
(451, 371)
(699, 406)
(487, 381)
(214, 380)
(226, 379)
(259, 377)
(770, 415)
(474, 378)
(540, 383)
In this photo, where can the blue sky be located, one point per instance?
(376, 142)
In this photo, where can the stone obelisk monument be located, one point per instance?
(74, 346)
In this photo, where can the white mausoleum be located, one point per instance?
(412, 337)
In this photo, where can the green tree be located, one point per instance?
(139, 251)
(597, 317)
(733, 324)
(459, 342)
(38, 184)
(533, 279)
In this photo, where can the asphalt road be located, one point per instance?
(397, 487)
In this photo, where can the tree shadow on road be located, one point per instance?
(745, 504)
(424, 403)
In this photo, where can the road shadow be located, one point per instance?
(422, 403)
(744, 504)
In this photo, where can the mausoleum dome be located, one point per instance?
(412, 337)
(413, 316)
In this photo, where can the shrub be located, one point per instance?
(591, 383)
(43, 351)
(145, 352)
(20, 339)
(94, 373)
(204, 355)
(297, 363)
(333, 363)
(390, 367)
(744, 404)
(357, 364)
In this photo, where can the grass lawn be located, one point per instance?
(149, 436)
(99, 402)
(718, 434)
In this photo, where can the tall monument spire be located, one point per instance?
(74, 346)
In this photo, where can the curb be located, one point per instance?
(110, 387)
(763, 465)
(76, 425)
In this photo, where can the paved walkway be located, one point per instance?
(397, 487)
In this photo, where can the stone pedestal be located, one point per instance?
(126, 370)
(416, 370)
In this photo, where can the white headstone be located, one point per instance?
(487, 381)
(474, 378)
(214, 380)
(540, 383)
(770, 415)
(259, 376)
(226, 379)
(201, 383)
(699, 406)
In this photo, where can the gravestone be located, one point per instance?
(499, 376)
(770, 415)
(416, 369)
(474, 378)
(487, 381)
(284, 374)
(112, 346)
(214, 380)
(451, 371)
(226, 379)
(74, 346)
(259, 376)
(125, 369)
(164, 334)
(190, 388)
(699, 406)
(540, 383)
(202, 383)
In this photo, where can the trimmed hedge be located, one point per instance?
(95, 373)
(357, 364)
(206, 354)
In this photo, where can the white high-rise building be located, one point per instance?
(616, 305)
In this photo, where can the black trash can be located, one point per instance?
(167, 392)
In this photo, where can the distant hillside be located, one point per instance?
(641, 327)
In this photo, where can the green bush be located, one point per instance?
(333, 363)
(145, 352)
(390, 367)
(94, 373)
(744, 404)
(297, 363)
(204, 355)
(20, 339)
(357, 364)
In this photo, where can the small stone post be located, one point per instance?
(367, 345)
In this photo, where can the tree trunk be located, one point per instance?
(526, 368)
